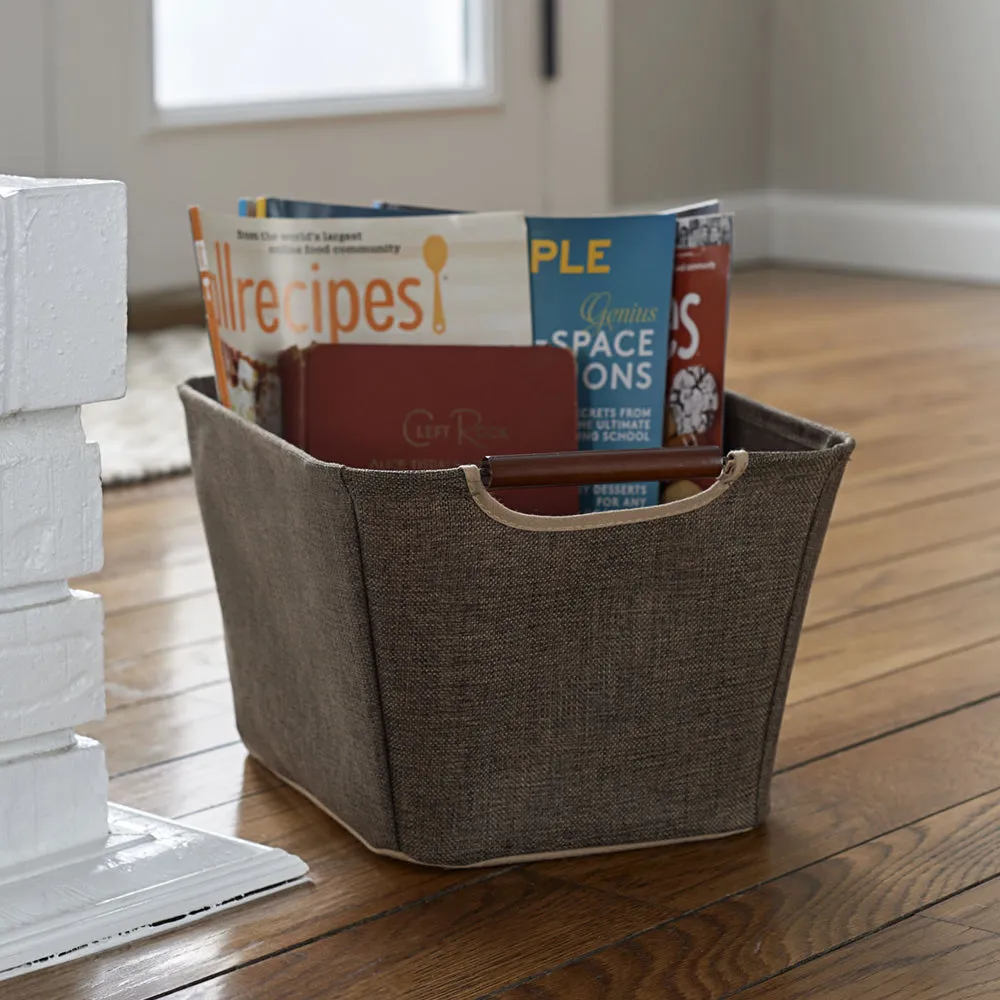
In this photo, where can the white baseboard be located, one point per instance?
(752, 234)
(752, 231)
(150, 875)
(957, 242)
(911, 239)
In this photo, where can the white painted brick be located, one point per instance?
(52, 802)
(62, 292)
(51, 667)
(50, 499)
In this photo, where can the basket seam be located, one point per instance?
(834, 439)
(375, 664)
(784, 642)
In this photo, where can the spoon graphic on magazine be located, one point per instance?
(435, 257)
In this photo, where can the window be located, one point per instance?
(223, 59)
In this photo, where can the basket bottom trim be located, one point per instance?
(513, 859)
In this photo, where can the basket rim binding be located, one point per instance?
(737, 463)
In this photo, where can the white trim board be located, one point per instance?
(911, 239)
(752, 235)
(956, 242)
(150, 875)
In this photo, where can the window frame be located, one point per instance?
(483, 39)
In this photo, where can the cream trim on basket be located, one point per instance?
(514, 859)
(736, 465)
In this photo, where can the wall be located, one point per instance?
(885, 137)
(23, 121)
(887, 98)
(689, 98)
(488, 157)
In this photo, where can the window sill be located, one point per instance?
(457, 99)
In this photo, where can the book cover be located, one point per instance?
(291, 208)
(273, 283)
(699, 322)
(611, 307)
(409, 408)
(602, 287)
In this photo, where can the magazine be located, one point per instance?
(270, 284)
(600, 286)
(699, 320)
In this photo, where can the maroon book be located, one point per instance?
(375, 406)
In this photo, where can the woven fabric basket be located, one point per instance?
(459, 684)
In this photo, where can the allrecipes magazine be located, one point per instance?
(270, 284)
(601, 287)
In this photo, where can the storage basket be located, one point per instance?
(459, 684)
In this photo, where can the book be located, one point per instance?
(699, 322)
(408, 408)
(271, 283)
(602, 287)
(611, 307)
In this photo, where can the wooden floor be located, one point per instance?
(878, 874)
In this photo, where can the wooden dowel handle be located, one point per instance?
(579, 468)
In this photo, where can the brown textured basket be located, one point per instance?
(459, 684)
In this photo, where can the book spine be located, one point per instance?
(294, 376)
(208, 292)
(699, 324)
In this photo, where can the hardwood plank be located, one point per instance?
(909, 576)
(873, 708)
(158, 627)
(918, 512)
(158, 584)
(880, 448)
(818, 810)
(873, 409)
(350, 885)
(166, 503)
(164, 674)
(138, 736)
(978, 908)
(917, 960)
(756, 935)
(140, 494)
(878, 540)
(461, 944)
(877, 642)
(188, 786)
(167, 545)
(906, 484)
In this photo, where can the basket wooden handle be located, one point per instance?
(579, 468)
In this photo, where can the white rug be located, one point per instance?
(143, 435)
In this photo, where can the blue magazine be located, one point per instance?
(602, 287)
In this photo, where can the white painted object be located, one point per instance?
(75, 874)
(50, 498)
(52, 802)
(146, 871)
(62, 292)
(51, 668)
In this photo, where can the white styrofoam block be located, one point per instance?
(33, 593)
(149, 876)
(61, 739)
(51, 667)
(52, 802)
(62, 292)
(50, 499)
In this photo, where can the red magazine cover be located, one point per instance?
(407, 408)
(699, 322)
